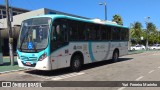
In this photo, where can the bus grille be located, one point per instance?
(28, 58)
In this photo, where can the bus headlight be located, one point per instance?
(43, 56)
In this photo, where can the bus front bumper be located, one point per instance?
(40, 65)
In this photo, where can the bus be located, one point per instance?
(50, 42)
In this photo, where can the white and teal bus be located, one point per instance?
(51, 42)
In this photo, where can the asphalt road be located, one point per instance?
(136, 67)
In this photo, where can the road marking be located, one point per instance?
(151, 71)
(139, 78)
(121, 88)
(67, 76)
(59, 77)
(156, 54)
(44, 77)
(159, 67)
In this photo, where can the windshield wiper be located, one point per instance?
(23, 40)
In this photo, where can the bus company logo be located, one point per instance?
(6, 84)
(74, 47)
(33, 54)
(84, 47)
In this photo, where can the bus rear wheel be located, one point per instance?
(76, 63)
(115, 56)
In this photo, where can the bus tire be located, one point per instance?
(115, 56)
(76, 63)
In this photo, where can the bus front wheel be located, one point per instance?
(76, 63)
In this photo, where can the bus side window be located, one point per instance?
(53, 38)
(62, 34)
(87, 35)
(53, 33)
(58, 30)
(65, 33)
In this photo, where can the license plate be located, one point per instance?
(28, 63)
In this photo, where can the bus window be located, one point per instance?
(58, 30)
(81, 31)
(98, 32)
(73, 31)
(87, 34)
(62, 35)
(59, 34)
(104, 33)
(93, 32)
(108, 32)
(116, 34)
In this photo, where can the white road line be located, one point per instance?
(121, 88)
(151, 71)
(44, 77)
(59, 77)
(159, 67)
(67, 76)
(156, 54)
(139, 78)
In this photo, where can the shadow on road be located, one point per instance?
(67, 70)
(102, 63)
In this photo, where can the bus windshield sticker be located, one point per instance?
(30, 45)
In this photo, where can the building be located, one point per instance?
(14, 10)
(18, 17)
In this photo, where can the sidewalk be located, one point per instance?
(141, 51)
(6, 67)
(136, 52)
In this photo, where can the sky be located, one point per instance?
(130, 10)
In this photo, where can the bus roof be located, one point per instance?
(97, 21)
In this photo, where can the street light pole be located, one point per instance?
(105, 9)
(10, 34)
(147, 19)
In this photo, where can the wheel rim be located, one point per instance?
(115, 56)
(77, 63)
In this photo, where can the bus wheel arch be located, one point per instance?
(77, 60)
(115, 55)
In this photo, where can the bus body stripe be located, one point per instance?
(90, 51)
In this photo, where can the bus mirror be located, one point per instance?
(34, 34)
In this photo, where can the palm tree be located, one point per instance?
(136, 31)
(152, 33)
(117, 18)
(151, 28)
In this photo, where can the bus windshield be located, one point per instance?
(34, 34)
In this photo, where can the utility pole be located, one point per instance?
(105, 9)
(10, 34)
(147, 31)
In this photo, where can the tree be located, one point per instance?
(151, 28)
(117, 18)
(136, 31)
(152, 33)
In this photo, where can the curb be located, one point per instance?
(135, 53)
(4, 72)
(143, 52)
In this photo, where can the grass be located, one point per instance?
(6, 66)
